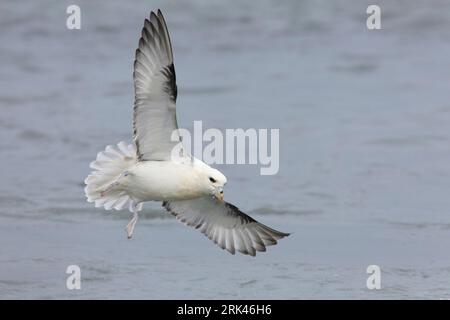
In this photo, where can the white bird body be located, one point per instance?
(129, 175)
(163, 180)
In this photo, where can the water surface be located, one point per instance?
(364, 156)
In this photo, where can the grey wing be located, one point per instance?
(225, 224)
(154, 118)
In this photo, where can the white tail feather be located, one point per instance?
(108, 168)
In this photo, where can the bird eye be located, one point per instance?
(212, 180)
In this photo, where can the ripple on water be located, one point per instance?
(269, 210)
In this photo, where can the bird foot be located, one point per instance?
(130, 226)
(110, 187)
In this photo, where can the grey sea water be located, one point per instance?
(364, 119)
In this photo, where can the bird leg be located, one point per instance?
(114, 184)
(130, 226)
(109, 188)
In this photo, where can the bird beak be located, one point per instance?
(219, 194)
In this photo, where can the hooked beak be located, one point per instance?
(219, 194)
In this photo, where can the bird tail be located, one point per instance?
(102, 185)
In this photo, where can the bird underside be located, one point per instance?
(124, 176)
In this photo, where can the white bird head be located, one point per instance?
(213, 181)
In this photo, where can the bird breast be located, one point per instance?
(163, 180)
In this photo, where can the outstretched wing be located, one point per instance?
(155, 88)
(225, 224)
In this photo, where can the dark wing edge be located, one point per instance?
(239, 233)
(154, 71)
